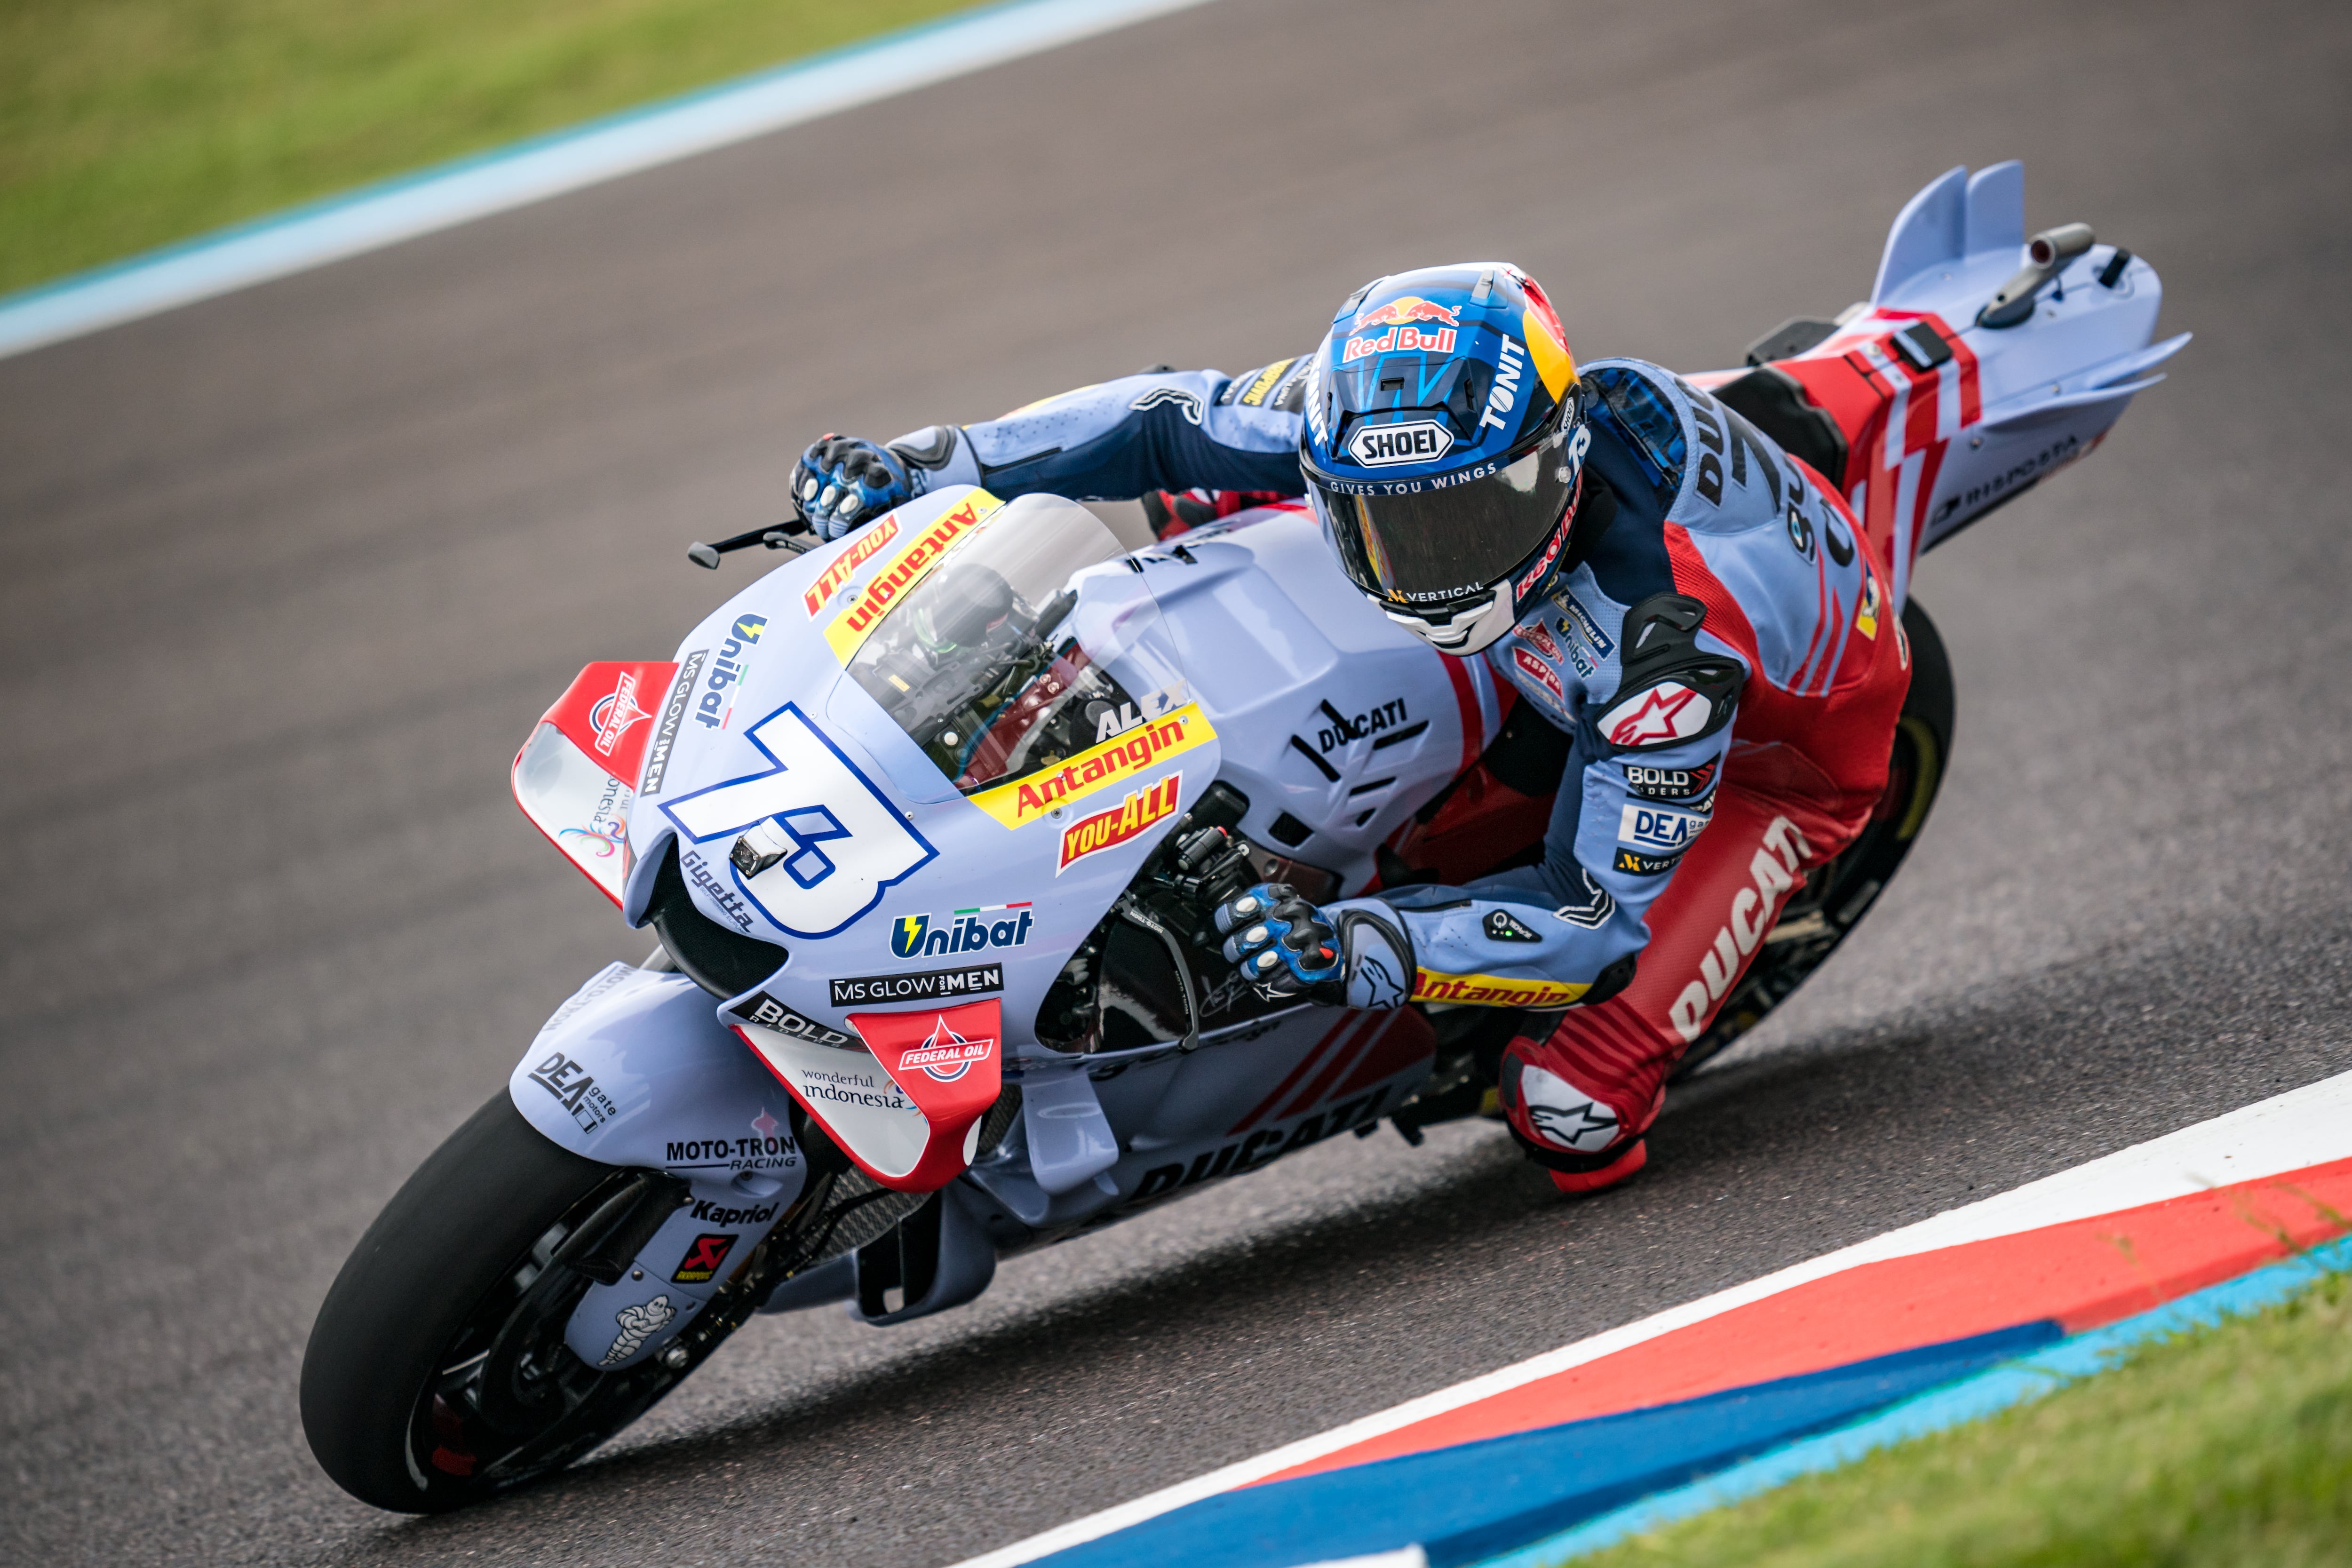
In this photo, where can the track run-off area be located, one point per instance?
(286, 576)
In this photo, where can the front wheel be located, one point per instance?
(436, 1375)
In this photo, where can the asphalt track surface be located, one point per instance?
(284, 578)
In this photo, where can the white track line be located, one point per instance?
(2307, 1126)
(385, 214)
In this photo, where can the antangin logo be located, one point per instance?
(1493, 990)
(1142, 810)
(890, 581)
(1265, 383)
(1098, 767)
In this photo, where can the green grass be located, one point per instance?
(2230, 1446)
(127, 123)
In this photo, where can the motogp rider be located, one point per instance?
(1696, 609)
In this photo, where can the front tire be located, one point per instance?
(446, 1322)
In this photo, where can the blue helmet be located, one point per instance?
(1445, 447)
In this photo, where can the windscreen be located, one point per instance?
(1029, 643)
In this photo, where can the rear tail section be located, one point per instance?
(1982, 362)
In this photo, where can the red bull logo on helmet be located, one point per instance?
(1399, 339)
(1406, 310)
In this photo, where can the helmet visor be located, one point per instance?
(1444, 541)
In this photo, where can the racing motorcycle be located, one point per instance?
(929, 822)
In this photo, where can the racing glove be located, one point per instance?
(1352, 956)
(842, 483)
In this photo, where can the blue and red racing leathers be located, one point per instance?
(1725, 656)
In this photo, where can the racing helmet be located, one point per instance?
(1444, 446)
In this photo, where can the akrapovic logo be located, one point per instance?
(1415, 441)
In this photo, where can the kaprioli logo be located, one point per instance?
(1415, 441)
(710, 1213)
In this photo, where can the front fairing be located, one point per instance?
(887, 884)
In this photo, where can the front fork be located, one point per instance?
(634, 1071)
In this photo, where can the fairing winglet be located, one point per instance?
(578, 772)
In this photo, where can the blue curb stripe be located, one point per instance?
(1987, 1393)
(1466, 1502)
(475, 186)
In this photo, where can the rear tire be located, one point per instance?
(444, 1282)
(1836, 897)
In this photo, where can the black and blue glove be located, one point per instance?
(1353, 955)
(1281, 942)
(843, 483)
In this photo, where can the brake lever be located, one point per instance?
(795, 536)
